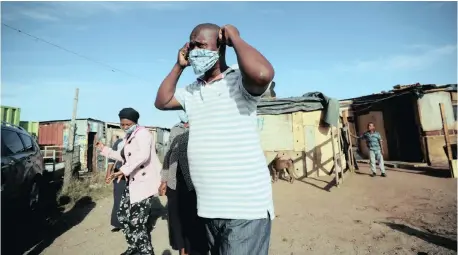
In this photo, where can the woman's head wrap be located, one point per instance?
(130, 114)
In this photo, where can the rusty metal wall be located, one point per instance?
(51, 133)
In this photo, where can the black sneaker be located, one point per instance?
(114, 230)
(373, 174)
(130, 252)
(383, 174)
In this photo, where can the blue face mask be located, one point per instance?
(202, 60)
(131, 129)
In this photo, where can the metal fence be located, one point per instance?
(53, 157)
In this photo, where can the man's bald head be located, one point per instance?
(205, 26)
(204, 36)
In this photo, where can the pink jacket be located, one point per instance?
(142, 164)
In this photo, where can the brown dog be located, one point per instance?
(280, 165)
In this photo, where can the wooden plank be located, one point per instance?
(454, 167)
(275, 132)
(339, 153)
(438, 132)
(300, 169)
(350, 146)
(311, 164)
(447, 139)
(312, 118)
(454, 97)
(336, 170)
(298, 132)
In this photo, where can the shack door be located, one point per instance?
(375, 117)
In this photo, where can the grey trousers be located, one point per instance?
(238, 237)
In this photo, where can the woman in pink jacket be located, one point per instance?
(142, 168)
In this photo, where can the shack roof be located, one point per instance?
(68, 120)
(399, 90)
(317, 101)
(308, 102)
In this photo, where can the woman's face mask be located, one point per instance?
(128, 126)
(202, 60)
(130, 129)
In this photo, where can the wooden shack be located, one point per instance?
(305, 137)
(409, 119)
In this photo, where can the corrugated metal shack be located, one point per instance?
(31, 127)
(299, 126)
(409, 118)
(10, 114)
(88, 131)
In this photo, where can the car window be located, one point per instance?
(28, 145)
(11, 143)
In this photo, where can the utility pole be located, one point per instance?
(72, 130)
(70, 149)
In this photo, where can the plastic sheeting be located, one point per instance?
(308, 102)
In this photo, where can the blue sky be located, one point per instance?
(343, 49)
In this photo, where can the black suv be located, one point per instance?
(22, 169)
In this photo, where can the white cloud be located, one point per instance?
(38, 15)
(427, 57)
(55, 11)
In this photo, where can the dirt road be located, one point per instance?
(406, 213)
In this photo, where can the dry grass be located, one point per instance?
(92, 185)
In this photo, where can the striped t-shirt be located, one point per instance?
(226, 162)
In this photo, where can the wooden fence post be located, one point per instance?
(447, 140)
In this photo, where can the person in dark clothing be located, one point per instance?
(186, 230)
(345, 145)
(118, 186)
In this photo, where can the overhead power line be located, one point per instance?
(113, 69)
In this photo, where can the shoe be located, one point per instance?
(373, 174)
(383, 174)
(114, 230)
(129, 252)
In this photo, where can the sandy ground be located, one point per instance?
(406, 213)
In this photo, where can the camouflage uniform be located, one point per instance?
(134, 219)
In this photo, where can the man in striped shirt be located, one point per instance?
(226, 161)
